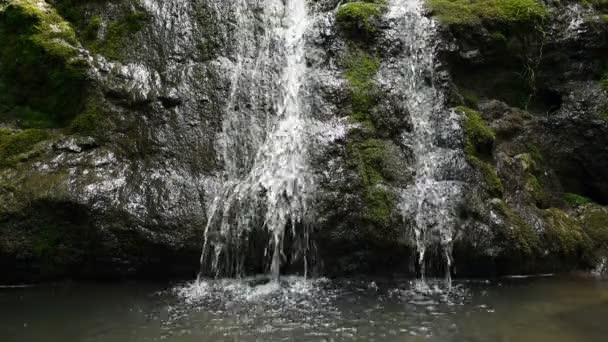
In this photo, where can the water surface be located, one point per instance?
(532, 309)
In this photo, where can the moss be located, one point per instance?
(479, 142)
(360, 18)
(379, 204)
(506, 12)
(601, 5)
(470, 98)
(43, 80)
(360, 71)
(595, 224)
(15, 143)
(118, 34)
(520, 236)
(564, 234)
(479, 137)
(91, 29)
(491, 180)
(368, 158)
(537, 191)
(91, 121)
(535, 153)
(604, 82)
(576, 200)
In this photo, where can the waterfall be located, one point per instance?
(433, 198)
(266, 183)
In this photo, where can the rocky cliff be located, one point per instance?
(111, 112)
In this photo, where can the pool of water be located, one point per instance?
(532, 309)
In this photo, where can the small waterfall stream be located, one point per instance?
(433, 198)
(264, 143)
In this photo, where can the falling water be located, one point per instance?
(266, 186)
(432, 200)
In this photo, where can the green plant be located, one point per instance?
(360, 70)
(479, 142)
(43, 79)
(118, 33)
(509, 12)
(479, 137)
(14, 143)
(520, 235)
(564, 234)
(576, 200)
(360, 17)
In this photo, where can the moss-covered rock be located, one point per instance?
(43, 80)
(564, 234)
(506, 12)
(479, 142)
(105, 27)
(518, 235)
(14, 145)
(576, 200)
(360, 71)
(360, 19)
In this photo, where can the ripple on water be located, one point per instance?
(318, 308)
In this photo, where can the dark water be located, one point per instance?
(533, 309)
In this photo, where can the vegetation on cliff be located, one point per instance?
(479, 143)
(360, 18)
(43, 80)
(508, 12)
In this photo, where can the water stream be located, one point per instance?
(267, 184)
(433, 198)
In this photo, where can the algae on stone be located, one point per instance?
(43, 81)
(467, 12)
(479, 142)
(360, 18)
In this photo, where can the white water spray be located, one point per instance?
(265, 139)
(433, 198)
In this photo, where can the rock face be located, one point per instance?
(114, 172)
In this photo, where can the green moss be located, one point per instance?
(479, 137)
(575, 200)
(490, 177)
(91, 29)
(42, 78)
(90, 122)
(118, 34)
(15, 143)
(368, 158)
(360, 71)
(520, 236)
(535, 153)
(479, 142)
(379, 204)
(537, 191)
(509, 12)
(604, 82)
(601, 5)
(564, 234)
(595, 223)
(360, 18)
(470, 98)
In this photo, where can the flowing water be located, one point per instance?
(434, 197)
(535, 309)
(266, 185)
